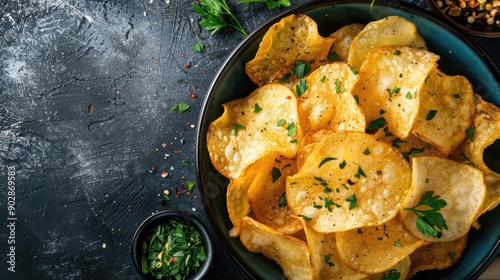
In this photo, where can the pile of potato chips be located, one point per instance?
(356, 157)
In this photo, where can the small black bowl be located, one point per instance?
(162, 217)
(485, 31)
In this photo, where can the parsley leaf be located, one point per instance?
(256, 108)
(214, 13)
(430, 115)
(276, 174)
(470, 133)
(292, 129)
(376, 124)
(271, 4)
(237, 127)
(429, 220)
(353, 201)
(301, 87)
(392, 274)
(198, 47)
(181, 107)
(325, 160)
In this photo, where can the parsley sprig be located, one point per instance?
(430, 219)
(271, 4)
(215, 13)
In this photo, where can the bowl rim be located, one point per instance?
(458, 25)
(163, 216)
(239, 48)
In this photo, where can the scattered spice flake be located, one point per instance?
(192, 95)
(187, 66)
(164, 174)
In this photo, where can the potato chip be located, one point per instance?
(377, 249)
(399, 271)
(435, 179)
(266, 121)
(390, 31)
(266, 195)
(388, 83)
(343, 38)
(236, 195)
(294, 38)
(483, 133)
(304, 153)
(325, 100)
(291, 254)
(446, 110)
(350, 180)
(325, 258)
(437, 255)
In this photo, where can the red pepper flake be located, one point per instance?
(186, 66)
(195, 87)
(164, 174)
(288, 97)
(174, 259)
(183, 177)
(188, 122)
(192, 95)
(156, 62)
(177, 152)
(179, 192)
(183, 56)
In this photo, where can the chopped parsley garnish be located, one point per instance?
(321, 181)
(256, 108)
(327, 259)
(394, 90)
(397, 244)
(395, 143)
(271, 4)
(181, 107)
(360, 173)
(470, 133)
(451, 255)
(301, 87)
(189, 185)
(275, 174)
(198, 47)
(356, 98)
(337, 86)
(322, 79)
(413, 152)
(342, 164)
(397, 52)
(307, 219)
(456, 95)
(301, 69)
(172, 250)
(328, 204)
(353, 201)
(381, 112)
(282, 201)
(281, 122)
(367, 151)
(408, 95)
(185, 162)
(392, 274)
(325, 160)
(430, 115)
(354, 71)
(376, 124)
(358, 230)
(237, 127)
(429, 220)
(334, 57)
(292, 129)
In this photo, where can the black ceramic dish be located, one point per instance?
(488, 31)
(458, 56)
(162, 217)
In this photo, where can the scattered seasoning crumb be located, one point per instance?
(186, 66)
(164, 174)
(193, 209)
(164, 145)
(193, 126)
(104, 245)
(192, 95)
(90, 108)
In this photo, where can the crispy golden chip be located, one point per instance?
(343, 38)
(483, 133)
(294, 38)
(291, 254)
(236, 195)
(304, 153)
(266, 195)
(446, 110)
(459, 185)
(390, 31)
(437, 255)
(325, 258)
(379, 248)
(350, 180)
(388, 75)
(401, 270)
(243, 134)
(325, 100)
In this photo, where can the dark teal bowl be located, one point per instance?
(458, 56)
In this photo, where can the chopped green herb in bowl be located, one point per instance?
(172, 245)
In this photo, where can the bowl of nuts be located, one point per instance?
(475, 17)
